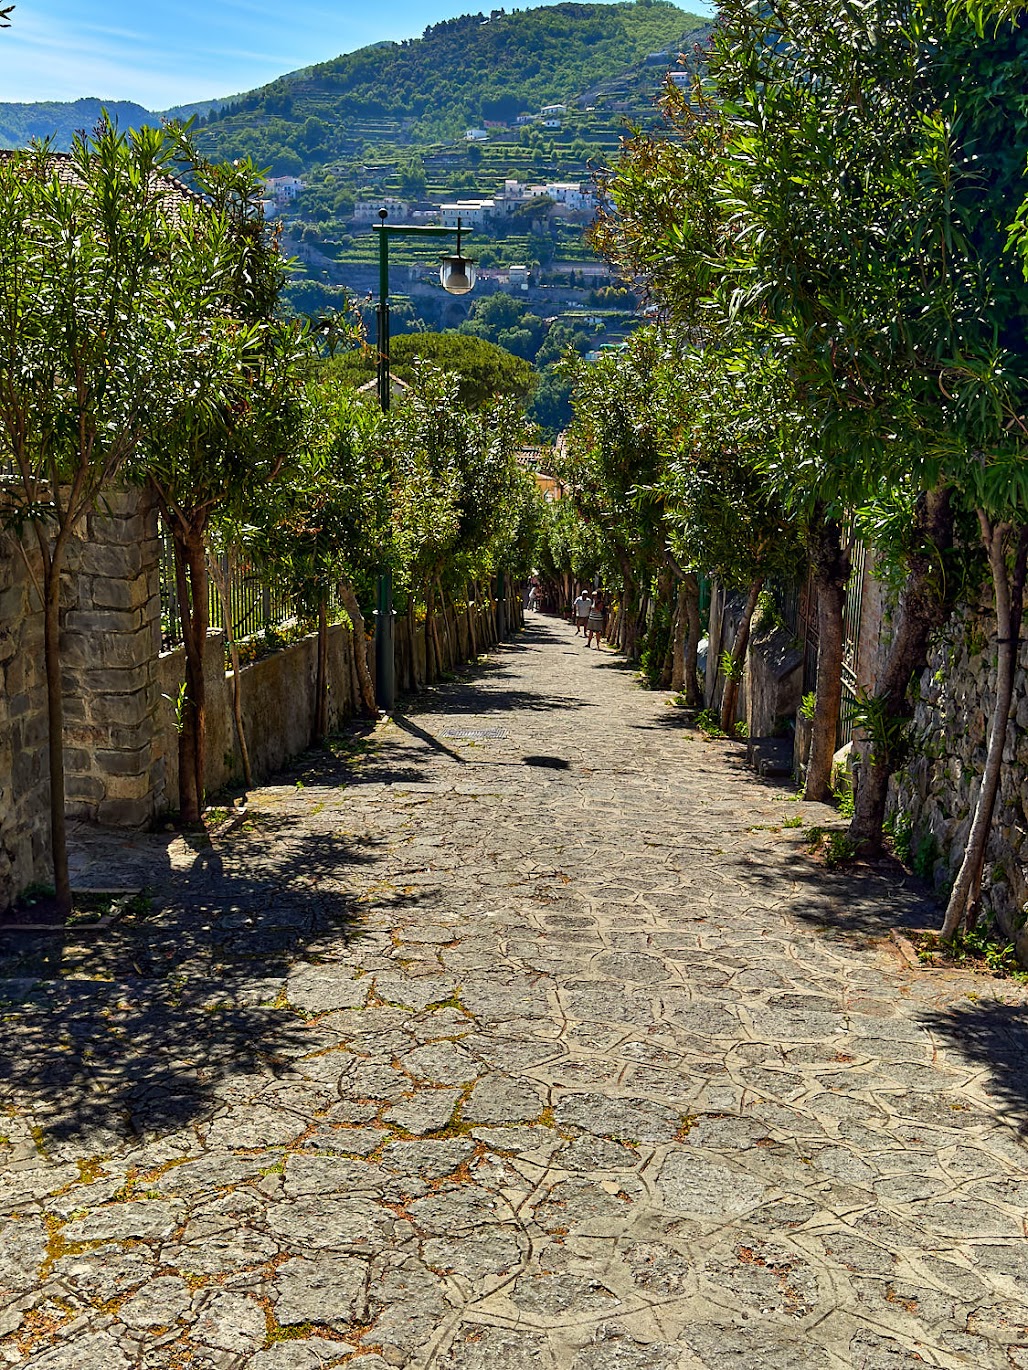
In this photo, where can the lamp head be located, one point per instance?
(457, 274)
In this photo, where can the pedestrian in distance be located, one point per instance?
(597, 621)
(581, 609)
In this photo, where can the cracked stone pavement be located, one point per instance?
(432, 1058)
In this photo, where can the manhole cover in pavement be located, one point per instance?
(474, 733)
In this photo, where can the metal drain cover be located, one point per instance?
(472, 734)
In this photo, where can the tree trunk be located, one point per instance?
(450, 656)
(1009, 596)
(194, 609)
(693, 694)
(831, 564)
(923, 607)
(742, 642)
(321, 677)
(355, 684)
(366, 701)
(214, 567)
(472, 610)
(52, 564)
(433, 662)
(679, 637)
(412, 645)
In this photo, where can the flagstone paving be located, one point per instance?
(435, 1058)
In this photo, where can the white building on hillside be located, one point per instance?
(470, 213)
(281, 188)
(366, 211)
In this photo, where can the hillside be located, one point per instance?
(461, 72)
(61, 120)
(390, 121)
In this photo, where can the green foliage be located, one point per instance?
(730, 668)
(842, 792)
(974, 949)
(483, 371)
(657, 645)
(709, 722)
(807, 706)
(834, 848)
(899, 827)
(887, 732)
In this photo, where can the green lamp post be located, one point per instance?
(457, 277)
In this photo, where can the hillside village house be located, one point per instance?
(569, 197)
(282, 188)
(366, 211)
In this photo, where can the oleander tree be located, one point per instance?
(459, 500)
(610, 466)
(802, 205)
(98, 267)
(235, 414)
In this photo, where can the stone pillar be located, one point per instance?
(110, 641)
(24, 779)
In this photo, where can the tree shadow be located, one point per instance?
(994, 1037)
(138, 1028)
(858, 902)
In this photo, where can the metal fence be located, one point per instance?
(255, 603)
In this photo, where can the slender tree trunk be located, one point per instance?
(222, 584)
(831, 563)
(433, 657)
(321, 676)
(366, 698)
(412, 645)
(194, 608)
(693, 694)
(472, 610)
(679, 636)
(1009, 597)
(52, 565)
(742, 642)
(923, 607)
(445, 611)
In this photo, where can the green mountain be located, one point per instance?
(460, 73)
(61, 120)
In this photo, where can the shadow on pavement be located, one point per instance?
(995, 1037)
(137, 1029)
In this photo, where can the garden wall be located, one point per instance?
(937, 790)
(24, 782)
(121, 744)
(277, 705)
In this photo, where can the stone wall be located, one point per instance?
(937, 789)
(24, 779)
(277, 704)
(110, 640)
(771, 687)
(121, 745)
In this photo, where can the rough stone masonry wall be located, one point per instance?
(24, 780)
(110, 640)
(940, 783)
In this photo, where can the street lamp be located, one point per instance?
(457, 277)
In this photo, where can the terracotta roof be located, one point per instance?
(63, 165)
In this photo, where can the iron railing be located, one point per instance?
(255, 602)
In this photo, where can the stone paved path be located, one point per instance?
(435, 1059)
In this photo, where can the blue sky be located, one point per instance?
(161, 53)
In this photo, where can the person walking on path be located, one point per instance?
(582, 608)
(597, 621)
